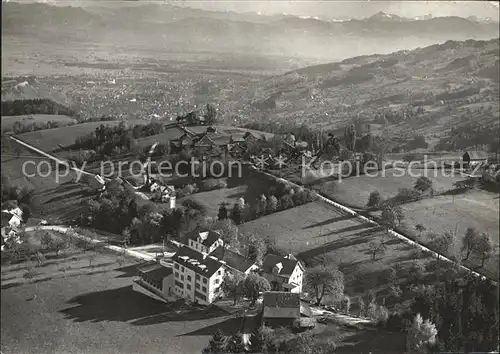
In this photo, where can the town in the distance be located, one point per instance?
(182, 178)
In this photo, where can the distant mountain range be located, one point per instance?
(167, 27)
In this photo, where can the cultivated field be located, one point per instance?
(9, 121)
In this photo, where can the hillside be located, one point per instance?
(426, 90)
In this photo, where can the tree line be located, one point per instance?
(34, 106)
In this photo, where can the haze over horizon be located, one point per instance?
(323, 9)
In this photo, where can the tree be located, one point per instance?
(236, 213)
(222, 214)
(484, 247)
(216, 344)
(469, 242)
(254, 284)
(388, 218)
(272, 204)
(211, 114)
(398, 213)
(440, 243)
(325, 280)
(228, 232)
(256, 248)
(423, 184)
(231, 284)
(374, 200)
(375, 248)
(420, 334)
(46, 240)
(350, 137)
(286, 202)
(420, 228)
(234, 344)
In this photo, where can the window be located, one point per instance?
(216, 281)
(198, 285)
(204, 289)
(205, 280)
(179, 284)
(219, 272)
(189, 278)
(176, 275)
(198, 277)
(182, 269)
(189, 286)
(182, 277)
(176, 266)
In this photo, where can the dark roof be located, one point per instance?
(279, 304)
(233, 259)
(212, 236)
(271, 260)
(253, 134)
(155, 271)
(196, 261)
(477, 155)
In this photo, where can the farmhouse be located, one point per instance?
(474, 158)
(234, 260)
(205, 241)
(284, 309)
(283, 273)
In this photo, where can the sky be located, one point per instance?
(329, 9)
(356, 9)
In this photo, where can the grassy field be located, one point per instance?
(55, 198)
(314, 229)
(212, 199)
(355, 191)
(50, 139)
(93, 309)
(9, 121)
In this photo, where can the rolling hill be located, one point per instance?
(448, 84)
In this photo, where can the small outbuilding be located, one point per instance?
(473, 158)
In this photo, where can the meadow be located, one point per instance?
(316, 229)
(9, 121)
(49, 140)
(85, 303)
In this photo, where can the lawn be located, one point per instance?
(228, 130)
(213, 199)
(314, 229)
(94, 310)
(9, 121)
(170, 133)
(50, 139)
(354, 191)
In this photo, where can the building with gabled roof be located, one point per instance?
(472, 158)
(156, 279)
(284, 273)
(284, 309)
(234, 260)
(197, 275)
(204, 240)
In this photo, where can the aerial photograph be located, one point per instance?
(239, 176)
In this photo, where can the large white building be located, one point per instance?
(197, 271)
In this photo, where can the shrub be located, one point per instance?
(212, 184)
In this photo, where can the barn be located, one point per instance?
(473, 158)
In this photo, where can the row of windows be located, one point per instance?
(189, 278)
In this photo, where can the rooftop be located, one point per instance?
(155, 271)
(198, 262)
(288, 264)
(279, 304)
(233, 259)
(207, 237)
